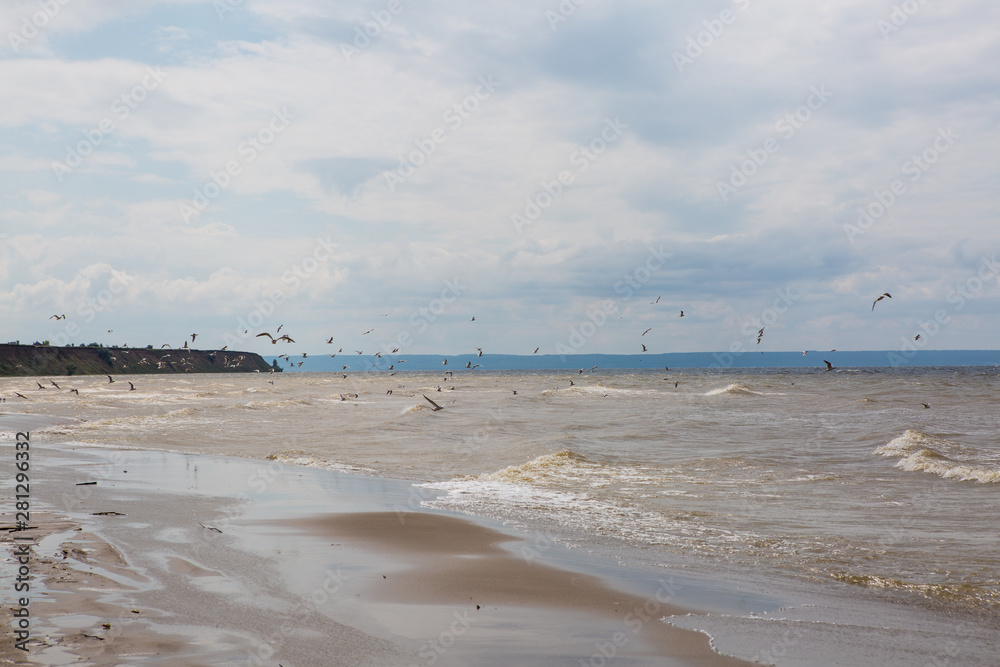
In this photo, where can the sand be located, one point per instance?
(200, 565)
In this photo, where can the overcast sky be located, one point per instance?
(171, 167)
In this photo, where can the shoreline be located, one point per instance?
(331, 567)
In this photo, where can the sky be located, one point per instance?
(570, 174)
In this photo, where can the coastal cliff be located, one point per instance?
(49, 360)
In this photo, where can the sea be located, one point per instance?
(879, 483)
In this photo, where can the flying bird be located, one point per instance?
(445, 362)
(655, 302)
(885, 295)
(131, 387)
(643, 347)
(436, 406)
(829, 366)
(111, 380)
(917, 337)
(58, 317)
(54, 384)
(536, 350)
(22, 396)
(682, 314)
(925, 405)
(480, 351)
(193, 336)
(329, 341)
(368, 332)
(39, 384)
(268, 335)
(760, 334)
(75, 391)
(286, 337)
(473, 319)
(645, 332)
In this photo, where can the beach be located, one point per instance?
(238, 522)
(177, 582)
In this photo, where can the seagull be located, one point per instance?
(436, 406)
(193, 336)
(389, 393)
(480, 351)
(268, 335)
(829, 366)
(917, 337)
(39, 384)
(445, 362)
(329, 341)
(473, 319)
(54, 384)
(110, 380)
(655, 302)
(760, 334)
(885, 295)
(925, 405)
(279, 328)
(368, 332)
(643, 347)
(682, 314)
(536, 350)
(58, 317)
(75, 391)
(131, 387)
(22, 396)
(645, 332)
(571, 383)
(304, 355)
(804, 352)
(285, 337)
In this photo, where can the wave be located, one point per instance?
(138, 420)
(919, 452)
(959, 592)
(545, 468)
(734, 389)
(267, 405)
(598, 390)
(301, 458)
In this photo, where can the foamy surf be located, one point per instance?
(300, 458)
(919, 452)
(734, 389)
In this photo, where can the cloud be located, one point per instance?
(418, 151)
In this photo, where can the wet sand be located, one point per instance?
(174, 559)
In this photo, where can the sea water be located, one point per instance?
(882, 481)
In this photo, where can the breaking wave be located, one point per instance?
(919, 452)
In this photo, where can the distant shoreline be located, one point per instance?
(670, 360)
(36, 360)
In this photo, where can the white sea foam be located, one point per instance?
(919, 452)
